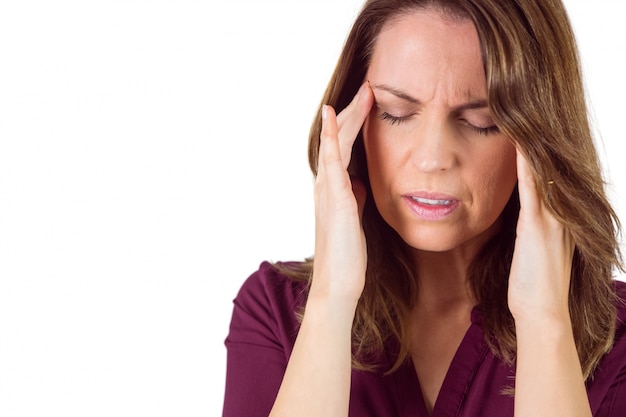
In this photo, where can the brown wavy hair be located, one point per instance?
(537, 98)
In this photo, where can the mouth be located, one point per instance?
(432, 202)
(431, 207)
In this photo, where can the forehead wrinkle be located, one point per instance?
(471, 101)
(470, 94)
(468, 97)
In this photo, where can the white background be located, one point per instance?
(152, 154)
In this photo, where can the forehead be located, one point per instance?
(429, 47)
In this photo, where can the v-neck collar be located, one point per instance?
(458, 379)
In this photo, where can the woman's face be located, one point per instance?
(441, 172)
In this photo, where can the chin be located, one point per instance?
(445, 241)
(432, 246)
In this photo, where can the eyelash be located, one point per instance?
(395, 120)
(485, 131)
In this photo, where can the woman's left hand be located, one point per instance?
(539, 280)
(548, 376)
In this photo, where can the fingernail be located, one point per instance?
(324, 111)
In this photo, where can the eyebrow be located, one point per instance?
(475, 104)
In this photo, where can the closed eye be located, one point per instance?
(489, 130)
(395, 120)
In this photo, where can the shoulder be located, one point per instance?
(266, 308)
(269, 285)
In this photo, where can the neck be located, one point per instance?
(443, 287)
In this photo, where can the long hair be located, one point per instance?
(537, 98)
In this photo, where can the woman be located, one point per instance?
(464, 243)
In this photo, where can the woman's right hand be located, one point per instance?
(340, 249)
(317, 378)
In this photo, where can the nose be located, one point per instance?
(433, 148)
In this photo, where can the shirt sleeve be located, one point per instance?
(262, 332)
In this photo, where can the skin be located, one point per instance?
(437, 61)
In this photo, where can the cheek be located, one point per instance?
(498, 173)
(506, 163)
(383, 147)
(382, 153)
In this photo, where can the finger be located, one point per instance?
(363, 91)
(329, 145)
(351, 119)
(528, 194)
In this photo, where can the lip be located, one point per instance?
(431, 206)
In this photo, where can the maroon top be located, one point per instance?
(263, 330)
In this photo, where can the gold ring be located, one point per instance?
(550, 182)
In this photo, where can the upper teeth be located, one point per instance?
(432, 202)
